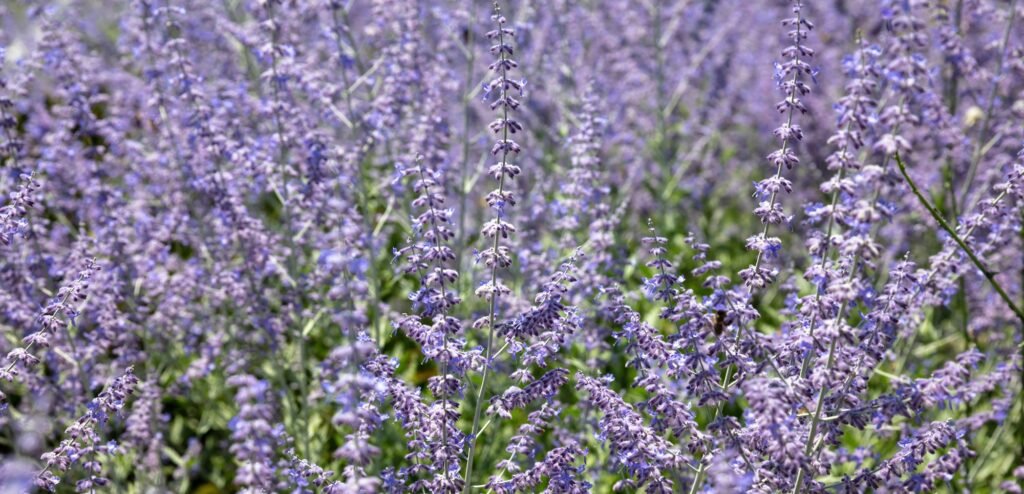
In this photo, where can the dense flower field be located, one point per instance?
(361, 246)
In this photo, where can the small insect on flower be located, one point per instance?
(720, 322)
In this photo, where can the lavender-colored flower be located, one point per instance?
(238, 200)
(82, 440)
(545, 386)
(502, 93)
(254, 436)
(50, 319)
(645, 455)
(558, 467)
(790, 75)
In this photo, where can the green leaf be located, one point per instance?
(312, 322)
(173, 455)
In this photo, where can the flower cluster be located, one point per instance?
(81, 443)
(790, 77)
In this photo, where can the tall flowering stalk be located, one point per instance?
(637, 447)
(14, 217)
(435, 298)
(58, 313)
(835, 293)
(502, 91)
(771, 212)
(585, 188)
(854, 119)
(82, 438)
(253, 435)
(906, 72)
(273, 50)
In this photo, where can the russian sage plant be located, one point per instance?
(389, 246)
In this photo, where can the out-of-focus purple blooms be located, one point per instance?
(254, 436)
(268, 210)
(13, 216)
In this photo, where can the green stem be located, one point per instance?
(464, 173)
(959, 241)
(805, 367)
(824, 259)
(444, 313)
(990, 104)
(785, 142)
(661, 148)
(809, 446)
(494, 281)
